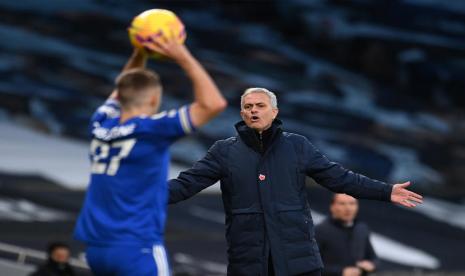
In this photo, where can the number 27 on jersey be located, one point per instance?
(100, 152)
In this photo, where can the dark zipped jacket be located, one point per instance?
(265, 200)
(343, 246)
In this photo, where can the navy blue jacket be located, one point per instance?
(265, 200)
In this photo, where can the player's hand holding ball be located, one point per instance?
(167, 48)
(159, 33)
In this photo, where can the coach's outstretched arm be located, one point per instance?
(204, 173)
(340, 180)
(208, 101)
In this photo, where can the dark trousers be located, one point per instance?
(271, 270)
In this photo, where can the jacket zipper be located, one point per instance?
(261, 143)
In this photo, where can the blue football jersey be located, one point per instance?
(127, 196)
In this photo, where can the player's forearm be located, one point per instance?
(206, 93)
(138, 59)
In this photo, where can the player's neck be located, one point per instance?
(129, 114)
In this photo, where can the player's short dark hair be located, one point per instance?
(333, 198)
(55, 245)
(130, 84)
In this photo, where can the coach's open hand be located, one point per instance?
(404, 197)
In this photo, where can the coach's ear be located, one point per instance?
(275, 113)
(242, 114)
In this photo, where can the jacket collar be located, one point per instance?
(252, 139)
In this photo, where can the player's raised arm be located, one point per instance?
(138, 59)
(208, 101)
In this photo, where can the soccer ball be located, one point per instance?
(156, 22)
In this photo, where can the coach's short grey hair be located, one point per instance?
(271, 95)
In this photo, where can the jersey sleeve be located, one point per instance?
(109, 109)
(171, 124)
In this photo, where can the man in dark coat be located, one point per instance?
(344, 242)
(57, 263)
(262, 170)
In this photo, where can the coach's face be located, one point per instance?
(344, 208)
(257, 111)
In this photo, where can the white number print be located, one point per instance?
(99, 167)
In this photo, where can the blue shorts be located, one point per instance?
(122, 261)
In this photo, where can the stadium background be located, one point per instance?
(376, 85)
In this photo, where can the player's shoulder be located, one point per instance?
(111, 108)
(160, 116)
(171, 113)
(158, 123)
(173, 118)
